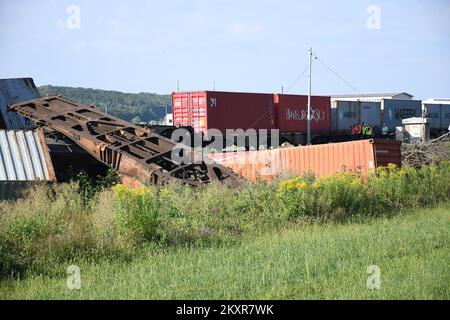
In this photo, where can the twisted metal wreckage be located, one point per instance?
(133, 151)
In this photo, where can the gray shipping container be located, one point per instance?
(345, 115)
(371, 113)
(445, 116)
(433, 113)
(438, 114)
(14, 91)
(394, 111)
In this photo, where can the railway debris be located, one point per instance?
(433, 151)
(133, 151)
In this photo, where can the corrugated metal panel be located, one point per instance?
(324, 160)
(24, 156)
(189, 109)
(14, 91)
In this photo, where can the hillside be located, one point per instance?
(128, 106)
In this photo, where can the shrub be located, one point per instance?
(345, 194)
(393, 188)
(338, 196)
(88, 187)
(40, 228)
(137, 213)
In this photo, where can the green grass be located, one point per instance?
(304, 261)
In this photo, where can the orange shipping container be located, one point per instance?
(324, 160)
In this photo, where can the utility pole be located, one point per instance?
(165, 118)
(308, 117)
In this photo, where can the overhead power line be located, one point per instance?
(338, 75)
(297, 80)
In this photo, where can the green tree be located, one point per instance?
(127, 106)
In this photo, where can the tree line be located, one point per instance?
(133, 107)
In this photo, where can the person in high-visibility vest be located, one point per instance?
(384, 131)
(366, 131)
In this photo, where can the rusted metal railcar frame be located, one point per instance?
(131, 150)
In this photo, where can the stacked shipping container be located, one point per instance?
(292, 111)
(347, 114)
(438, 114)
(394, 111)
(334, 121)
(205, 110)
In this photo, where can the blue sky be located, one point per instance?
(259, 46)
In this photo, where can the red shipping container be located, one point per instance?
(291, 113)
(205, 110)
(323, 160)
